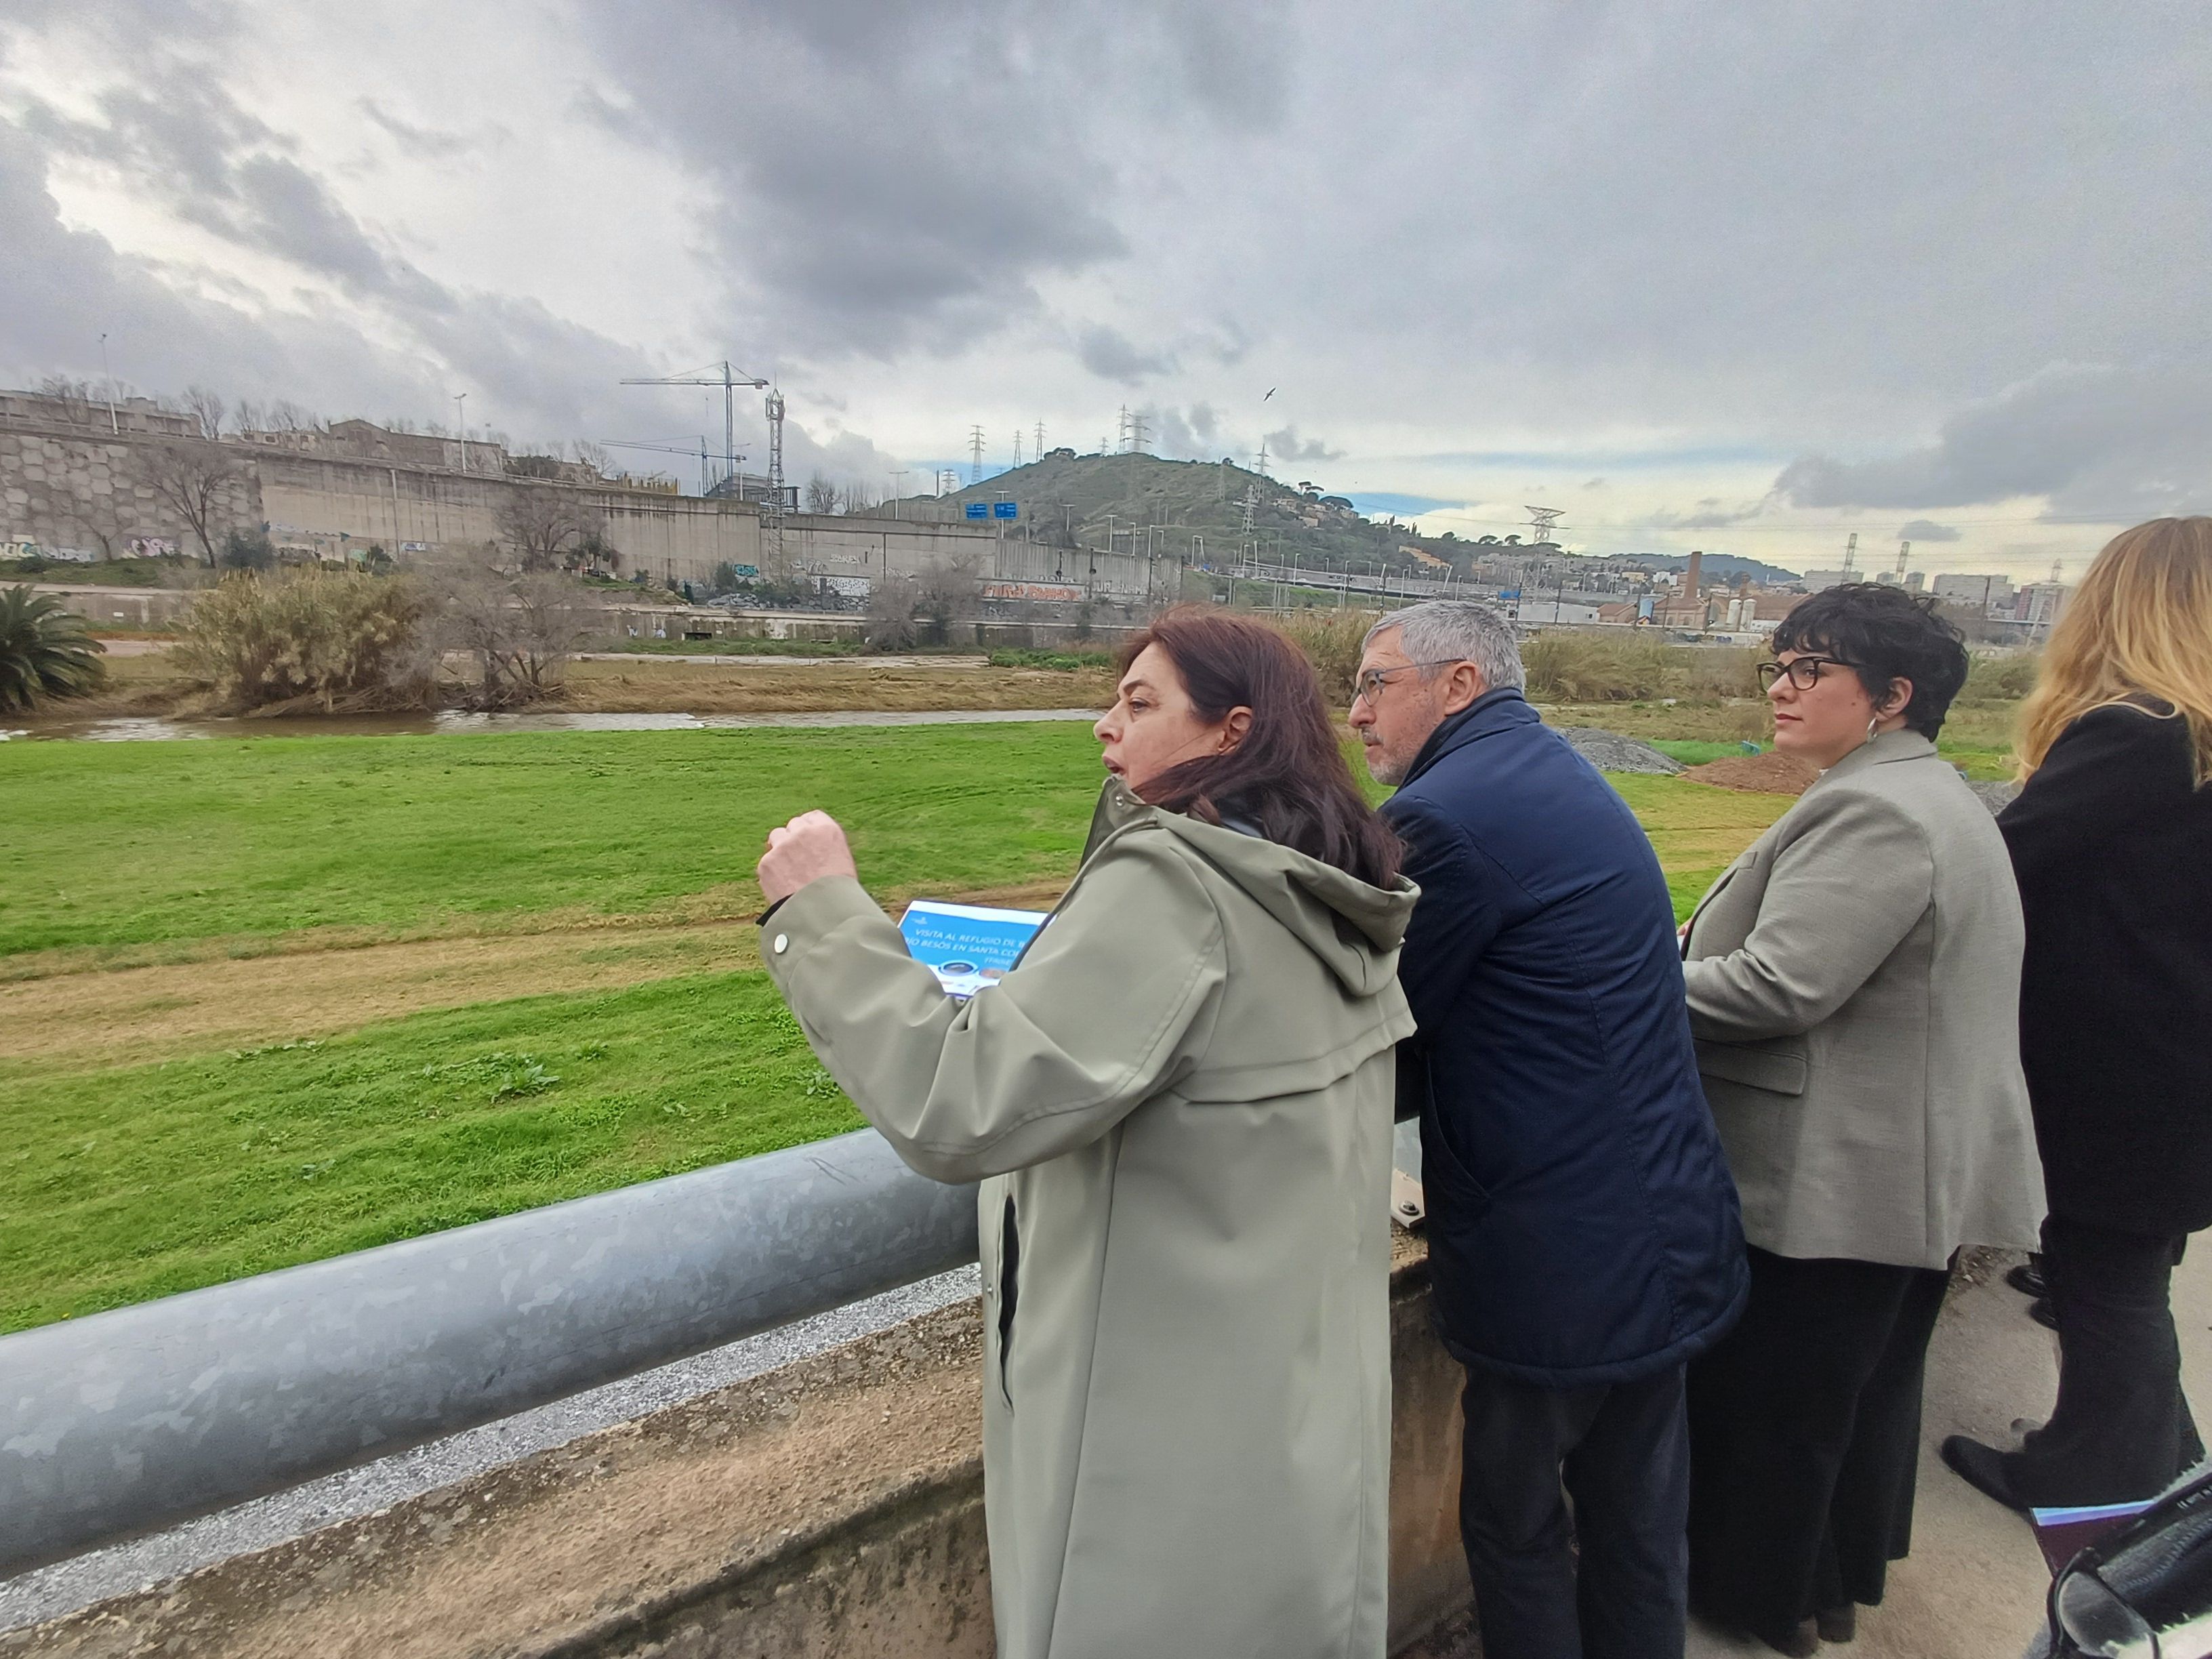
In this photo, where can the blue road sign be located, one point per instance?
(979, 509)
(1004, 510)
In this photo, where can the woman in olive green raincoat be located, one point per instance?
(1180, 1102)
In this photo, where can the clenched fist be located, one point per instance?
(812, 846)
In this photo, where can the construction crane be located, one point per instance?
(1851, 556)
(729, 378)
(700, 451)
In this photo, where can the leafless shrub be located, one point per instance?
(545, 528)
(339, 639)
(950, 593)
(893, 600)
(520, 629)
(821, 495)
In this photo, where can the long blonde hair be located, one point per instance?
(2141, 621)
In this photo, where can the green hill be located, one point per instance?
(1083, 501)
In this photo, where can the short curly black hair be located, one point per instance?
(1887, 634)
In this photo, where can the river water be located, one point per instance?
(150, 729)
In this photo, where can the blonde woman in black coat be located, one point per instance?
(2111, 841)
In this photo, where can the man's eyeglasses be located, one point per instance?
(1804, 672)
(1372, 683)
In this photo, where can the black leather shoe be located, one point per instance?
(1801, 1643)
(1981, 1468)
(2039, 1312)
(1837, 1624)
(2027, 1280)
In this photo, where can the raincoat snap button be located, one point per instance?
(782, 943)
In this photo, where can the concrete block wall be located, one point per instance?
(76, 493)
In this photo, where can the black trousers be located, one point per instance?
(2122, 1428)
(1805, 1440)
(1622, 1453)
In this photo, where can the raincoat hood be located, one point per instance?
(1354, 928)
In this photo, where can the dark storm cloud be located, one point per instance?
(60, 289)
(2101, 443)
(1283, 444)
(1112, 356)
(906, 176)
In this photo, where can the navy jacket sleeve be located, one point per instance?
(2106, 771)
(1458, 914)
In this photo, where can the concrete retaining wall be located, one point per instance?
(834, 1507)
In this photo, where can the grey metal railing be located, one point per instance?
(122, 1422)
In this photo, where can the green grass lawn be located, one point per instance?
(119, 1182)
(118, 844)
(124, 1184)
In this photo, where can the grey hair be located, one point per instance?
(1443, 631)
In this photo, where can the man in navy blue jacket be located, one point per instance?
(1583, 1237)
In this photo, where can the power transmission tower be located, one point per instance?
(976, 454)
(1140, 434)
(772, 518)
(1040, 441)
(2055, 564)
(1260, 467)
(1017, 446)
(1543, 523)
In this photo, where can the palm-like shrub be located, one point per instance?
(45, 651)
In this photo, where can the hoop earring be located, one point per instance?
(1871, 724)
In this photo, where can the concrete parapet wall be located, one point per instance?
(834, 1507)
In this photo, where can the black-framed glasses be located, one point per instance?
(1372, 683)
(2092, 1618)
(1804, 672)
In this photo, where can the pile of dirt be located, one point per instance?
(1770, 773)
(1609, 752)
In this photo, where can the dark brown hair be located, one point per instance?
(1289, 775)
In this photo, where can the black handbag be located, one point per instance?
(2146, 1591)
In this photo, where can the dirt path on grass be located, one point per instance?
(103, 1017)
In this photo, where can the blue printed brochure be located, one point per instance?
(967, 945)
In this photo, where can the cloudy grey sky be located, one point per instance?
(1746, 278)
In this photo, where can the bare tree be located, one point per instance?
(74, 397)
(522, 629)
(894, 598)
(545, 528)
(206, 409)
(856, 499)
(250, 416)
(593, 455)
(821, 495)
(951, 591)
(285, 416)
(191, 477)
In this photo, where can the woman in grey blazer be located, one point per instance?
(1853, 983)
